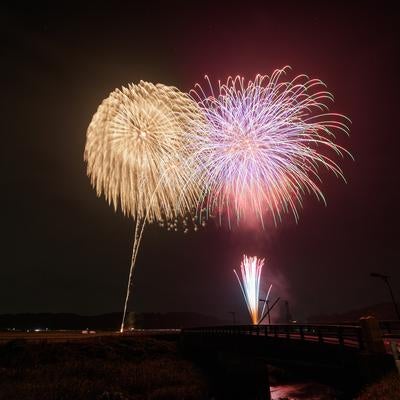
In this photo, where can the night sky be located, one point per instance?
(65, 250)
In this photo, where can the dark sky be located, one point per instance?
(65, 250)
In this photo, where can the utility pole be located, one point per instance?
(268, 310)
(385, 278)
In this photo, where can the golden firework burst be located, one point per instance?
(136, 148)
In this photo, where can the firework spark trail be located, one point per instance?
(263, 144)
(250, 270)
(136, 145)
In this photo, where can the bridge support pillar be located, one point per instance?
(372, 335)
(374, 362)
(243, 377)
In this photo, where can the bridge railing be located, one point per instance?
(342, 335)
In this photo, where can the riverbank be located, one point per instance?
(387, 388)
(102, 368)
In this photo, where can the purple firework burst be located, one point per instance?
(262, 145)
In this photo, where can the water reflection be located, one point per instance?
(304, 391)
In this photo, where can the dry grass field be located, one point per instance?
(72, 366)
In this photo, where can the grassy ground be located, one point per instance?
(104, 368)
(388, 388)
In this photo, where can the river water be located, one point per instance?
(302, 391)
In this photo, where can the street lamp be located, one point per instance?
(385, 278)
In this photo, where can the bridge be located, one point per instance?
(342, 335)
(352, 354)
(345, 334)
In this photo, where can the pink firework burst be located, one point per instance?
(262, 144)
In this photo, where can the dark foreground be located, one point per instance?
(99, 368)
(137, 367)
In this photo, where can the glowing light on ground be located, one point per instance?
(136, 145)
(249, 281)
(263, 145)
